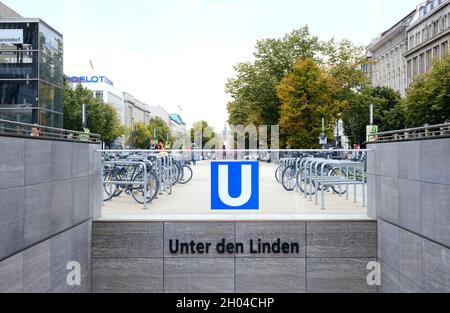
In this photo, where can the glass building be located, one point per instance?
(31, 72)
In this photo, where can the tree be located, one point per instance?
(101, 118)
(162, 129)
(388, 112)
(428, 98)
(306, 97)
(144, 132)
(254, 89)
(142, 137)
(207, 132)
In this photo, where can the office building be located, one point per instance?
(31, 71)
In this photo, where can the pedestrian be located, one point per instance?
(160, 146)
(194, 162)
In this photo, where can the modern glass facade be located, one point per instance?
(31, 72)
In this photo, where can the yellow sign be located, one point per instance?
(371, 132)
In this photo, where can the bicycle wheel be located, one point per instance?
(337, 172)
(278, 173)
(151, 189)
(186, 175)
(108, 188)
(304, 182)
(289, 178)
(174, 174)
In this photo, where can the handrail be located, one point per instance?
(16, 129)
(417, 133)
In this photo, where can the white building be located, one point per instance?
(408, 49)
(389, 66)
(159, 111)
(135, 110)
(102, 87)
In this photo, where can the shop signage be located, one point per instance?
(11, 36)
(89, 80)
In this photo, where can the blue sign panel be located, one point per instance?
(235, 186)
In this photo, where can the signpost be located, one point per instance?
(371, 131)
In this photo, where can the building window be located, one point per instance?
(429, 60)
(98, 94)
(422, 63)
(444, 49)
(436, 52)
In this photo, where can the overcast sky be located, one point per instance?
(181, 52)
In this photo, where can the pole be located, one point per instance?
(132, 133)
(154, 134)
(371, 114)
(83, 116)
(323, 131)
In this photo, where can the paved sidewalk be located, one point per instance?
(193, 200)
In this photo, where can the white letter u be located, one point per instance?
(246, 186)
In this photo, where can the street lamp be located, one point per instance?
(83, 116)
(132, 133)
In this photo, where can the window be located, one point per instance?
(436, 52)
(444, 49)
(429, 60)
(422, 63)
(98, 94)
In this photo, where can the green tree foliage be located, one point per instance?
(101, 118)
(428, 98)
(162, 129)
(143, 133)
(306, 97)
(388, 112)
(254, 89)
(207, 132)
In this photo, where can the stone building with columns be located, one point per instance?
(428, 37)
(408, 49)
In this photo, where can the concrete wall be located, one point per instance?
(135, 257)
(47, 201)
(409, 188)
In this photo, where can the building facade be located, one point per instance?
(159, 111)
(103, 88)
(428, 37)
(31, 72)
(408, 49)
(388, 64)
(177, 125)
(135, 111)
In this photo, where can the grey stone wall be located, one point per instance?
(135, 257)
(409, 188)
(48, 197)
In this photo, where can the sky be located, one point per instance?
(180, 53)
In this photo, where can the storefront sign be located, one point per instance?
(89, 80)
(11, 36)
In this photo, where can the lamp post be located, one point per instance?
(371, 114)
(83, 116)
(132, 133)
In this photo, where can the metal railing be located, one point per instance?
(418, 133)
(24, 130)
(311, 175)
